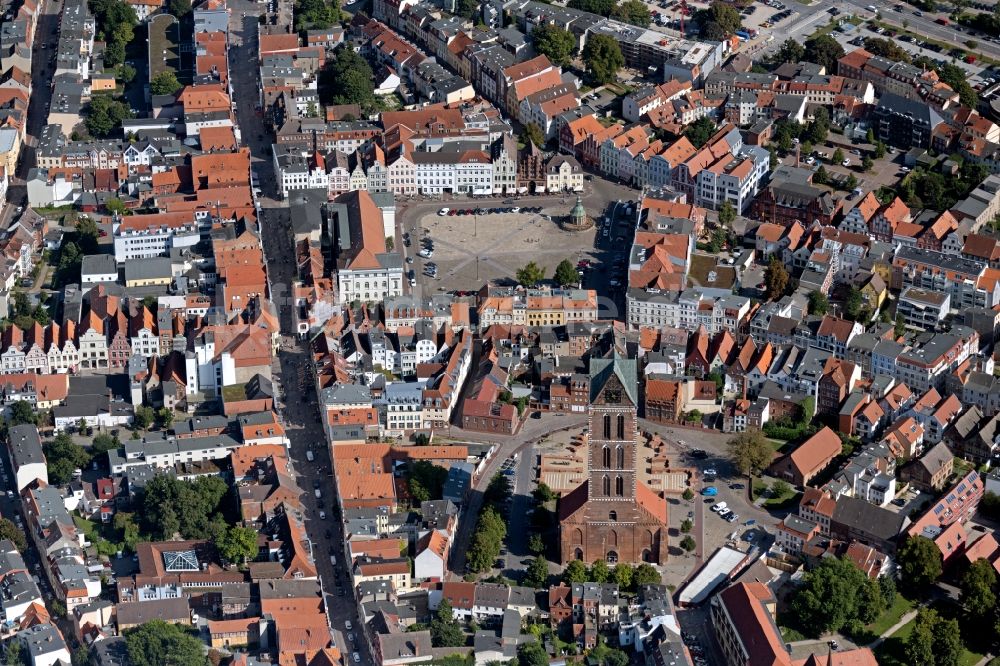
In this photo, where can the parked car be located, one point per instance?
(710, 491)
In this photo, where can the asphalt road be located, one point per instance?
(816, 15)
(292, 368)
(531, 431)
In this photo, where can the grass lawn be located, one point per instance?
(900, 607)
(787, 500)
(892, 651)
(234, 392)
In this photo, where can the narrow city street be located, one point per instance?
(293, 375)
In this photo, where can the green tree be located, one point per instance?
(919, 648)
(948, 647)
(750, 452)
(818, 303)
(87, 235)
(830, 595)
(8, 530)
(720, 20)
(838, 156)
(536, 544)
(115, 206)
(316, 14)
(851, 182)
(867, 164)
(124, 523)
(688, 543)
(773, 157)
(538, 572)
(601, 7)
(530, 274)
(956, 77)
(871, 603)
(899, 327)
(105, 115)
(819, 128)
(824, 50)
(646, 574)
(63, 456)
(633, 12)
(887, 49)
(559, 45)
(156, 643)
(13, 653)
(542, 493)
(790, 51)
(978, 585)
(575, 572)
(165, 417)
(347, 79)
(821, 176)
(853, 302)
(688, 494)
(190, 508)
(533, 135)
(599, 572)
(700, 131)
(880, 150)
(238, 544)
(776, 278)
(603, 58)
(686, 525)
(870, 135)
(887, 586)
(22, 412)
(531, 654)
(164, 83)
(565, 274)
(179, 8)
(126, 73)
(468, 9)
(780, 488)
(426, 480)
(919, 562)
(143, 417)
(102, 443)
(727, 214)
(486, 540)
(445, 631)
(621, 574)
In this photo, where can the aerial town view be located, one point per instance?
(500, 332)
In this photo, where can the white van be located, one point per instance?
(309, 455)
(319, 495)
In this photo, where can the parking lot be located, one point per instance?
(471, 249)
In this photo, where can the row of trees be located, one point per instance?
(116, 21)
(531, 274)
(491, 529)
(626, 576)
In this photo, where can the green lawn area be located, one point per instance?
(900, 607)
(892, 651)
(234, 392)
(783, 502)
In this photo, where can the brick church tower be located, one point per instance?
(613, 516)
